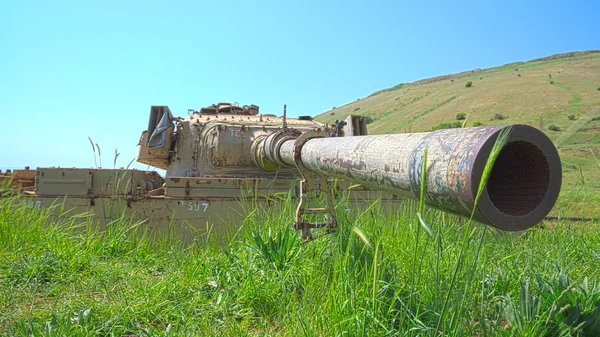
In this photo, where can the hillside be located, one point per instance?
(559, 92)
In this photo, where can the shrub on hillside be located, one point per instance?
(333, 113)
(461, 116)
(477, 123)
(551, 82)
(554, 128)
(519, 75)
(469, 84)
(499, 117)
(356, 109)
(572, 117)
(598, 88)
(445, 125)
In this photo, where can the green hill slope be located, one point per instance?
(559, 92)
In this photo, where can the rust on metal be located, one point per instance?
(522, 189)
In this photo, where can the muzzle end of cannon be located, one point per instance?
(524, 182)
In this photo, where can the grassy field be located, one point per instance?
(383, 273)
(408, 271)
(559, 94)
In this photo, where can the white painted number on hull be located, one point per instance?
(32, 203)
(195, 206)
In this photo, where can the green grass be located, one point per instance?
(380, 274)
(400, 125)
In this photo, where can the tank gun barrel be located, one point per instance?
(521, 190)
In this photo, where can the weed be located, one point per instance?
(278, 249)
(499, 117)
(445, 125)
(555, 307)
(553, 127)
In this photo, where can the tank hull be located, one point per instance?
(189, 207)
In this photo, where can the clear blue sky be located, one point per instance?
(73, 69)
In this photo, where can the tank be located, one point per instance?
(217, 158)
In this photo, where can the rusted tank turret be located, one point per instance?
(223, 153)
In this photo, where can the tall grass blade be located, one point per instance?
(362, 236)
(99, 154)
(93, 150)
(499, 144)
(115, 159)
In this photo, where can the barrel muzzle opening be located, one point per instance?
(524, 182)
